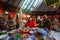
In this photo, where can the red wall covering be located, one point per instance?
(2, 11)
(11, 13)
(56, 16)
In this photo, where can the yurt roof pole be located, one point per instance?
(18, 3)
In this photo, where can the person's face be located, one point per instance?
(45, 16)
(30, 18)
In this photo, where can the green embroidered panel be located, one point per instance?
(51, 2)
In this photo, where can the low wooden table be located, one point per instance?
(56, 35)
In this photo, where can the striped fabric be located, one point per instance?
(28, 5)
